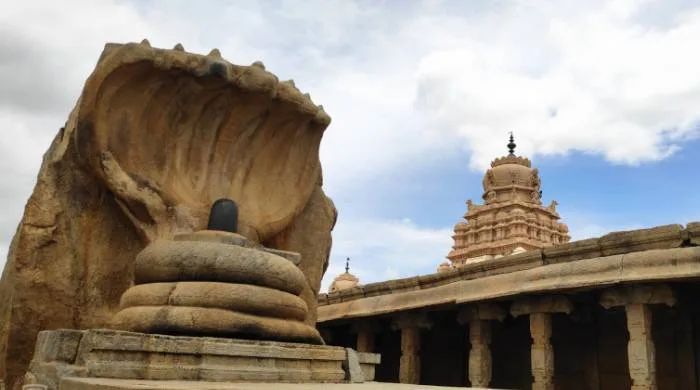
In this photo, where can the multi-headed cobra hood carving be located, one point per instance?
(169, 132)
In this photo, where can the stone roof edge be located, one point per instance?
(655, 265)
(615, 243)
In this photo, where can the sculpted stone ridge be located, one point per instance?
(156, 136)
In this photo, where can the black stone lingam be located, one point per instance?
(223, 216)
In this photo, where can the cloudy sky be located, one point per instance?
(604, 96)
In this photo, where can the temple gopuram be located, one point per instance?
(520, 307)
(512, 218)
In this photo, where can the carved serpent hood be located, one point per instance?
(169, 132)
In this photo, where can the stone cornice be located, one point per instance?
(509, 224)
(481, 209)
(494, 247)
(510, 221)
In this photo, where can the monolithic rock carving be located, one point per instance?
(154, 139)
(209, 284)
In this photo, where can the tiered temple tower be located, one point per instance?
(512, 218)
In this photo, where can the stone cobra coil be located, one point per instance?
(215, 289)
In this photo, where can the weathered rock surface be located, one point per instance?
(157, 136)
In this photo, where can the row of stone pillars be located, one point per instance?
(635, 299)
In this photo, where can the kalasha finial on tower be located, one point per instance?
(347, 265)
(511, 145)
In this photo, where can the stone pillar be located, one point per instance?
(410, 365)
(409, 368)
(641, 355)
(541, 353)
(365, 335)
(479, 319)
(685, 353)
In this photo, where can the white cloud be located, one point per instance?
(386, 249)
(591, 223)
(593, 80)
(404, 84)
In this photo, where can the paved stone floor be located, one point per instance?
(123, 384)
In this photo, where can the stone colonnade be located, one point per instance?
(636, 301)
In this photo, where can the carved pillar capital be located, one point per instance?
(481, 311)
(546, 304)
(418, 320)
(658, 294)
(365, 326)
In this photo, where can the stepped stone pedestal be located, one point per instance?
(111, 354)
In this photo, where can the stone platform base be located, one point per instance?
(113, 354)
(120, 384)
